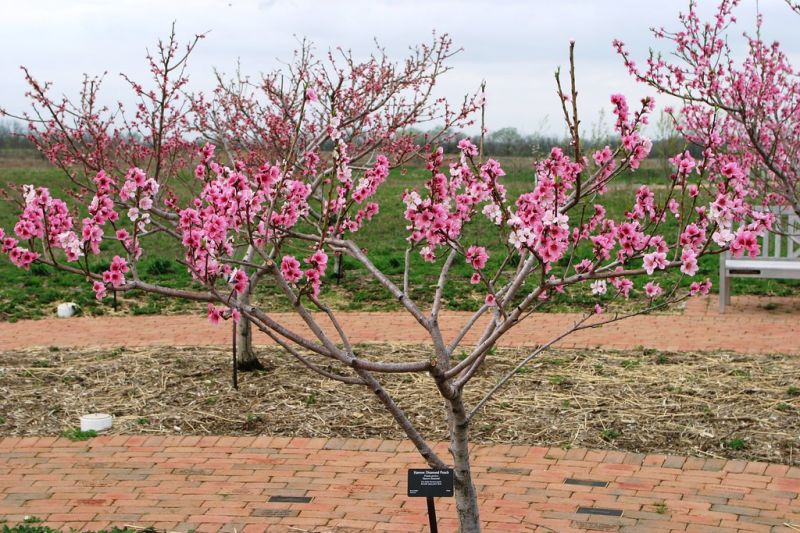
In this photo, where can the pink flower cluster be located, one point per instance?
(318, 262)
(451, 200)
(477, 257)
(290, 269)
(141, 190)
(742, 103)
(114, 276)
(230, 203)
(347, 194)
(43, 217)
(538, 225)
(239, 280)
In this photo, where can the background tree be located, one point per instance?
(283, 117)
(12, 137)
(748, 108)
(506, 141)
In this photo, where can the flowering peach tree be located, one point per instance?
(288, 116)
(292, 114)
(283, 223)
(744, 109)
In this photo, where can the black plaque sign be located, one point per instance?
(290, 499)
(586, 482)
(599, 510)
(430, 483)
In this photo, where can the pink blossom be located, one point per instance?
(490, 300)
(119, 264)
(585, 265)
(313, 276)
(290, 269)
(215, 313)
(623, 285)
(22, 257)
(745, 241)
(475, 278)
(319, 260)
(311, 95)
(207, 152)
(655, 260)
(599, 287)
(239, 280)
(601, 157)
(700, 287)
(652, 289)
(689, 264)
(467, 148)
(621, 111)
(103, 182)
(683, 162)
(113, 277)
(477, 257)
(99, 290)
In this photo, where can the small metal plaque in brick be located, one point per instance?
(600, 511)
(510, 470)
(586, 482)
(282, 513)
(290, 499)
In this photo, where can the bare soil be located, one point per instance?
(701, 404)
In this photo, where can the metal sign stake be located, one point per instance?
(432, 515)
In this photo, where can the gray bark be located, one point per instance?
(465, 493)
(246, 358)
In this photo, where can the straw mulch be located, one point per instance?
(702, 404)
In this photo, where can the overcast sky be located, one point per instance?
(515, 45)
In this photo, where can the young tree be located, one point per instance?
(284, 117)
(748, 108)
(555, 238)
(280, 118)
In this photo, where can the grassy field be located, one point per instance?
(35, 294)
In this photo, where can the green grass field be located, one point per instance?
(35, 294)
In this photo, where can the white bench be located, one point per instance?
(779, 259)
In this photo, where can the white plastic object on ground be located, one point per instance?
(67, 309)
(96, 422)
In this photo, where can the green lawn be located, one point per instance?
(34, 294)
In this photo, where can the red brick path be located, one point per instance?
(222, 483)
(748, 327)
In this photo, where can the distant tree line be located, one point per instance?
(504, 142)
(13, 137)
(507, 142)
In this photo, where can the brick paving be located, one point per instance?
(747, 327)
(224, 483)
(180, 483)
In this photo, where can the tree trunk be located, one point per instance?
(338, 267)
(465, 493)
(245, 356)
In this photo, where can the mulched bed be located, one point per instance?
(702, 404)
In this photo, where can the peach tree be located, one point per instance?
(740, 98)
(283, 116)
(282, 221)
